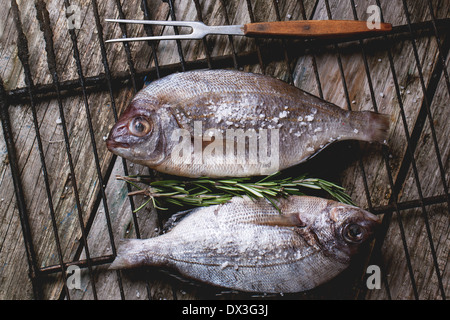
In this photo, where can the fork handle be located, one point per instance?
(312, 28)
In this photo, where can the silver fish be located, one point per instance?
(248, 245)
(219, 123)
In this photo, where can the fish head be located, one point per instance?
(337, 228)
(137, 135)
(351, 226)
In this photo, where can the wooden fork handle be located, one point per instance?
(312, 28)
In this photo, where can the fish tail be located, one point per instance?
(374, 126)
(133, 253)
(378, 127)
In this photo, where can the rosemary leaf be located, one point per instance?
(206, 191)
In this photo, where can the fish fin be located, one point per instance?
(282, 220)
(128, 255)
(378, 124)
(175, 219)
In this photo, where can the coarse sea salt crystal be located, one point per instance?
(355, 130)
(283, 114)
(310, 149)
(309, 118)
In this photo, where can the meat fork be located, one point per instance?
(298, 28)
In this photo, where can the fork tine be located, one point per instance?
(155, 38)
(191, 24)
(199, 30)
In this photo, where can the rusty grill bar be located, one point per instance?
(33, 93)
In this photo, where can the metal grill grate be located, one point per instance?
(33, 93)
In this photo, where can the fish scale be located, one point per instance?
(244, 245)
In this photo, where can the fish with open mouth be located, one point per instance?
(219, 123)
(248, 245)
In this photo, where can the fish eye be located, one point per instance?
(353, 233)
(139, 126)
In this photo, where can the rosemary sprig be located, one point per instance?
(206, 191)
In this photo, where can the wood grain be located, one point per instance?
(312, 29)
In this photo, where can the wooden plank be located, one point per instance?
(425, 277)
(56, 161)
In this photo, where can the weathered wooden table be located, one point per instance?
(62, 89)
